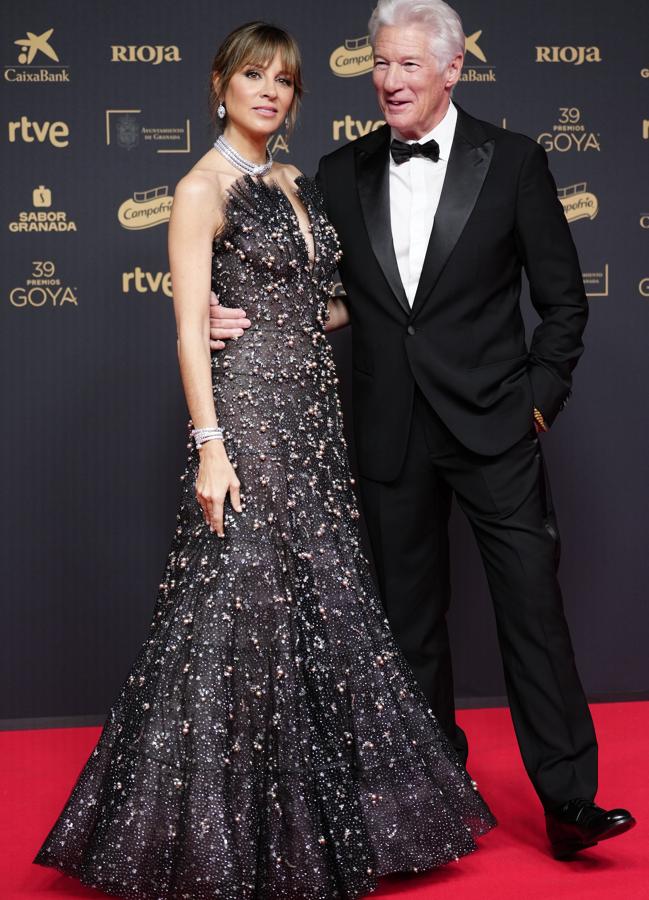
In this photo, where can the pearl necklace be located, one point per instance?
(239, 162)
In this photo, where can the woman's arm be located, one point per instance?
(195, 217)
(338, 314)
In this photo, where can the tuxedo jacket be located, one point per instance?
(463, 340)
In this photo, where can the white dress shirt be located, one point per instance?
(415, 189)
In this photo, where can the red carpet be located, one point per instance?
(39, 767)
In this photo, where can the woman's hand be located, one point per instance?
(216, 478)
(338, 314)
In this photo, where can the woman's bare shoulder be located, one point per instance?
(286, 173)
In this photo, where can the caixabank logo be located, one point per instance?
(476, 73)
(569, 133)
(37, 61)
(42, 217)
(127, 130)
(44, 289)
(145, 209)
(574, 56)
(154, 54)
(578, 202)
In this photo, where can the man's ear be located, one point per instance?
(454, 70)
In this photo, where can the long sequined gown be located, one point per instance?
(270, 741)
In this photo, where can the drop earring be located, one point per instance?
(220, 111)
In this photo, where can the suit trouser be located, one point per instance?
(507, 501)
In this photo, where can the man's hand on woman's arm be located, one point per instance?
(225, 323)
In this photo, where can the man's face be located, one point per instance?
(412, 91)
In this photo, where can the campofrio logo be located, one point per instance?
(145, 209)
(32, 66)
(575, 56)
(42, 217)
(354, 57)
(578, 203)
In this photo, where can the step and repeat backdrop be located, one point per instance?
(104, 109)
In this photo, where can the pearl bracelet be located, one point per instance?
(203, 435)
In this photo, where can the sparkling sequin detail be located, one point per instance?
(270, 742)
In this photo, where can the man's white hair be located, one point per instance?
(438, 18)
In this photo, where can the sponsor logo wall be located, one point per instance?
(104, 110)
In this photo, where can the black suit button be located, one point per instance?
(411, 329)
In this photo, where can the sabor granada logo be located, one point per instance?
(34, 50)
(575, 56)
(145, 53)
(143, 282)
(42, 217)
(578, 203)
(43, 289)
(145, 209)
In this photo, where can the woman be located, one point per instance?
(270, 741)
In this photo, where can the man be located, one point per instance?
(437, 214)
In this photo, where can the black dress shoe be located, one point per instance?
(580, 823)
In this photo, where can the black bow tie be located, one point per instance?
(403, 152)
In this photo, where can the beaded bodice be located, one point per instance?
(261, 261)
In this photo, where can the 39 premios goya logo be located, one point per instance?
(37, 61)
(144, 209)
(127, 130)
(355, 57)
(42, 217)
(569, 133)
(44, 289)
(578, 202)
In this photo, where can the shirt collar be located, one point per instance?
(443, 133)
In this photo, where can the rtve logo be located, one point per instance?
(146, 282)
(146, 53)
(57, 133)
(575, 56)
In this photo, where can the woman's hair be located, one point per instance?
(255, 43)
(442, 22)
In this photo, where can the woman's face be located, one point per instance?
(258, 98)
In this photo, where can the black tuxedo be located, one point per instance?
(444, 394)
(463, 341)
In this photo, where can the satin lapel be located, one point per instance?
(467, 168)
(374, 193)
